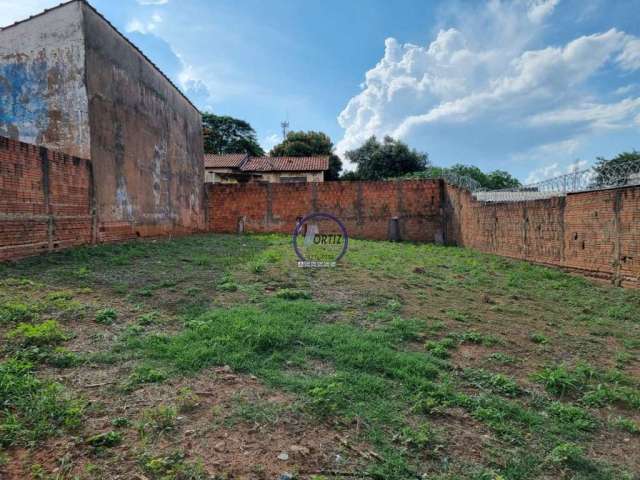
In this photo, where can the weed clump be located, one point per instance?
(106, 316)
(46, 333)
(105, 440)
(157, 420)
(12, 312)
(292, 294)
(173, 466)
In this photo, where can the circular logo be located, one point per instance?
(320, 240)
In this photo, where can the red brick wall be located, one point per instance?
(596, 233)
(45, 200)
(46, 203)
(365, 208)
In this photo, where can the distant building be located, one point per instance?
(240, 168)
(71, 82)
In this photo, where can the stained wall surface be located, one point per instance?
(146, 141)
(72, 83)
(365, 208)
(43, 99)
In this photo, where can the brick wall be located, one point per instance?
(594, 233)
(365, 208)
(45, 200)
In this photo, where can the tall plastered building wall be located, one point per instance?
(72, 83)
(43, 95)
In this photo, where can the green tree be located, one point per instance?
(224, 134)
(305, 144)
(350, 176)
(495, 180)
(617, 170)
(501, 179)
(391, 158)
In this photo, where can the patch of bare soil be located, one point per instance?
(235, 426)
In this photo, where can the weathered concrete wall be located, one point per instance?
(146, 141)
(43, 99)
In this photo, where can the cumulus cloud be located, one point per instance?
(482, 77)
(540, 9)
(629, 58)
(147, 26)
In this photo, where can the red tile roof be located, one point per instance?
(233, 160)
(287, 164)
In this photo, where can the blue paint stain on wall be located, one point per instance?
(23, 102)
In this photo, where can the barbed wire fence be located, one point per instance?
(612, 175)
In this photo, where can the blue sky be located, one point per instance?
(535, 87)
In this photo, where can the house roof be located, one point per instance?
(267, 164)
(233, 160)
(287, 164)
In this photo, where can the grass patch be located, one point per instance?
(372, 352)
(33, 409)
(42, 334)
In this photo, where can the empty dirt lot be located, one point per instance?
(214, 357)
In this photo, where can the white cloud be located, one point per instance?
(626, 89)
(540, 9)
(270, 141)
(629, 58)
(144, 27)
(594, 115)
(483, 74)
(555, 170)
